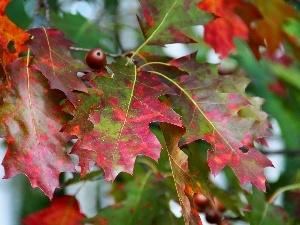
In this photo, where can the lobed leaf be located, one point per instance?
(127, 104)
(53, 59)
(30, 120)
(216, 109)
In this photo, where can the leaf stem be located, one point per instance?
(80, 49)
(281, 190)
(148, 163)
(282, 152)
(154, 63)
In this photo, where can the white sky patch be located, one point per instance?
(212, 57)
(175, 208)
(220, 180)
(10, 195)
(176, 50)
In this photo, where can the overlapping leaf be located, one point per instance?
(263, 212)
(30, 119)
(146, 203)
(9, 32)
(188, 65)
(53, 59)
(128, 103)
(179, 166)
(163, 21)
(217, 110)
(63, 210)
(270, 29)
(220, 32)
(11, 40)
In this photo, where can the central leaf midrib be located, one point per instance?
(127, 111)
(50, 52)
(29, 98)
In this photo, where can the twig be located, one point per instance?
(282, 152)
(148, 163)
(47, 12)
(108, 54)
(80, 49)
(283, 189)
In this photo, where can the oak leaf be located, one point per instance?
(127, 104)
(220, 32)
(53, 59)
(31, 119)
(163, 21)
(216, 109)
(10, 33)
(63, 210)
(11, 41)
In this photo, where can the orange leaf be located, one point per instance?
(269, 28)
(63, 210)
(12, 35)
(220, 32)
(9, 32)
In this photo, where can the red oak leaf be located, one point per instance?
(63, 210)
(30, 121)
(128, 103)
(163, 21)
(220, 32)
(179, 165)
(216, 109)
(53, 59)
